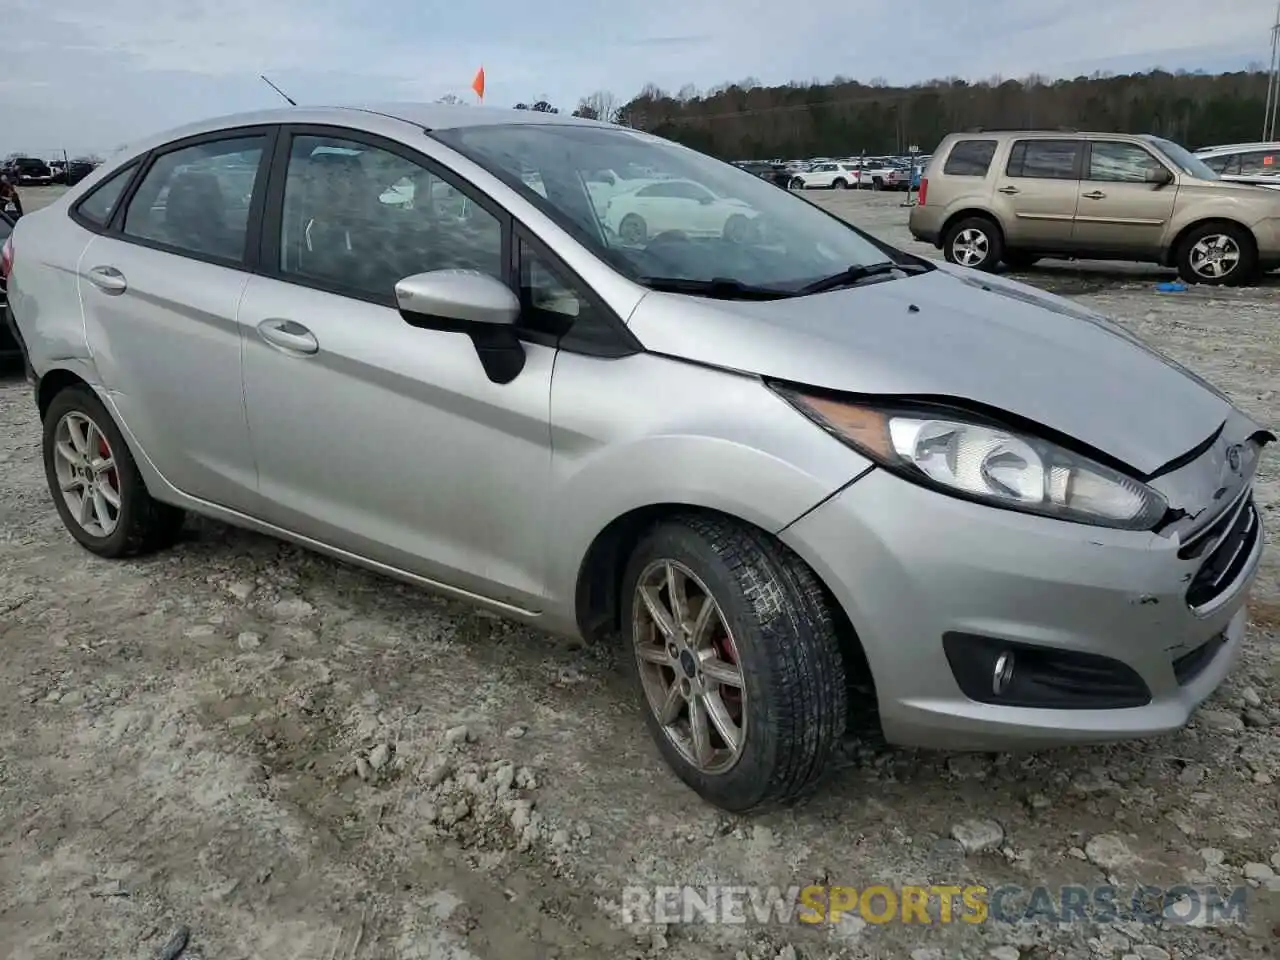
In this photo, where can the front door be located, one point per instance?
(1122, 209)
(1036, 193)
(160, 293)
(371, 435)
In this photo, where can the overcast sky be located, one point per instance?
(87, 75)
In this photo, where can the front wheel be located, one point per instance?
(1217, 254)
(796, 184)
(736, 654)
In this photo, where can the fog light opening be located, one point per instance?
(1002, 675)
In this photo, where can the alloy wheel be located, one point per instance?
(1215, 256)
(689, 666)
(87, 474)
(970, 247)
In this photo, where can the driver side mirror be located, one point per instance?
(706, 201)
(1161, 177)
(470, 302)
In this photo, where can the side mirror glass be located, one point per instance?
(463, 296)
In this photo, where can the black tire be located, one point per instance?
(633, 229)
(840, 184)
(1019, 261)
(787, 646)
(969, 229)
(877, 183)
(1246, 265)
(738, 229)
(795, 183)
(143, 524)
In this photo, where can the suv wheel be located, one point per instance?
(796, 184)
(96, 486)
(840, 184)
(1217, 254)
(974, 242)
(735, 652)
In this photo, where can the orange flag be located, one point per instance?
(478, 83)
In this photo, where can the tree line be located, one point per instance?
(747, 120)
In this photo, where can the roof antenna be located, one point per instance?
(292, 102)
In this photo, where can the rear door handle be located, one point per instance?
(288, 335)
(1095, 195)
(108, 280)
(1009, 190)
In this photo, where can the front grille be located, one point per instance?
(1228, 559)
(1190, 665)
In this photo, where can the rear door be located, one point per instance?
(1121, 210)
(160, 288)
(1036, 193)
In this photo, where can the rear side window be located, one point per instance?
(1260, 163)
(970, 158)
(100, 204)
(1045, 159)
(196, 199)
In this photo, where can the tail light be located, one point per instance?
(924, 191)
(6, 259)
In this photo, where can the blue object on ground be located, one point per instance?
(1171, 286)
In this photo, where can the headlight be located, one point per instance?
(987, 462)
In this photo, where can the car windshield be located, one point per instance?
(674, 214)
(1184, 159)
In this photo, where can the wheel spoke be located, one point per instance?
(671, 705)
(68, 452)
(85, 511)
(653, 653)
(700, 731)
(729, 731)
(717, 671)
(110, 495)
(101, 510)
(676, 585)
(78, 441)
(708, 616)
(661, 618)
(103, 464)
(71, 483)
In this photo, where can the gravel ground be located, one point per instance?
(289, 758)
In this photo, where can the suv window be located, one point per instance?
(970, 158)
(358, 219)
(1228, 163)
(196, 199)
(1044, 159)
(1115, 162)
(1259, 163)
(101, 202)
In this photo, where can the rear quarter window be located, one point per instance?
(970, 158)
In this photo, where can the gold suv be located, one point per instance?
(1015, 196)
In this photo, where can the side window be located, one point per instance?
(654, 190)
(101, 202)
(970, 158)
(358, 219)
(1227, 164)
(1113, 162)
(196, 199)
(1044, 159)
(692, 191)
(1260, 163)
(551, 303)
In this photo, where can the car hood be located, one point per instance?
(954, 334)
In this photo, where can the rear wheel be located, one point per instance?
(95, 483)
(974, 242)
(633, 229)
(735, 652)
(840, 184)
(1218, 254)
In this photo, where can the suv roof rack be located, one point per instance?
(1022, 130)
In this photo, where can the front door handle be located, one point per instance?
(1095, 195)
(1009, 190)
(108, 280)
(288, 335)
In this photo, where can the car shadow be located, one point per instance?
(1080, 277)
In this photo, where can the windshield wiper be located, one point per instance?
(718, 288)
(857, 273)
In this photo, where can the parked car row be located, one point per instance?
(1015, 196)
(1253, 163)
(33, 172)
(849, 173)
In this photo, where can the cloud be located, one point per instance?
(85, 74)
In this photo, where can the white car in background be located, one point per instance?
(834, 175)
(1253, 163)
(642, 213)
